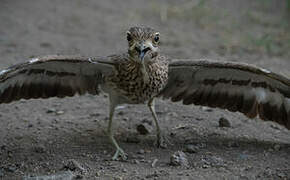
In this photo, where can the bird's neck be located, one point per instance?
(144, 71)
(142, 66)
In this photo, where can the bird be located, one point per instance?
(142, 74)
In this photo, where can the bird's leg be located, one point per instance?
(160, 138)
(119, 151)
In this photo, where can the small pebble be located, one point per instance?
(154, 163)
(179, 158)
(98, 174)
(199, 119)
(73, 165)
(95, 114)
(144, 129)
(223, 122)
(207, 109)
(276, 126)
(59, 112)
(39, 149)
(172, 114)
(190, 148)
(277, 147)
(135, 161)
(50, 110)
(125, 119)
(205, 166)
(147, 121)
(141, 151)
(45, 44)
(180, 173)
(10, 154)
(121, 113)
(281, 175)
(233, 144)
(144, 161)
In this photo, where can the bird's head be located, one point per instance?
(143, 43)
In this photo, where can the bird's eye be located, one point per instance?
(156, 38)
(129, 37)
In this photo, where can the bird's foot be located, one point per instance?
(119, 153)
(162, 141)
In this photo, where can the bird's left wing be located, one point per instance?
(53, 76)
(233, 86)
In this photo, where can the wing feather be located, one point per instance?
(233, 86)
(53, 76)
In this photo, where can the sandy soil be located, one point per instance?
(41, 137)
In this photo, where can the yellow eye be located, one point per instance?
(156, 38)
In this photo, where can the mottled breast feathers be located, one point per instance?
(128, 80)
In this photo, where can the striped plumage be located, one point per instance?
(128, 80)
(142, 74)
(234, 86)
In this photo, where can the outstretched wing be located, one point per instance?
(236, 87)
(53, 76)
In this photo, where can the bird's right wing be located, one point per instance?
(53, 76)
(233, 86)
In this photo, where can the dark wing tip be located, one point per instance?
(51, 76)
(237, 87)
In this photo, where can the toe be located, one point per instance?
(119, 153)
(163, 142)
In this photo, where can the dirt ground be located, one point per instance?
(61, 137)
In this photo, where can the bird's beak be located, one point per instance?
(142, 49)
